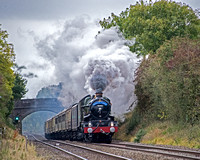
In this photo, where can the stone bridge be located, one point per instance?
(24, 107)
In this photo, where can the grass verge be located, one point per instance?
(167, 133)
(14, 147)
(163, 133)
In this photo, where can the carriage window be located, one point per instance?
(56, 120)
(63, 117)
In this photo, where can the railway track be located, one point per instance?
(170, 152)
(105, 154)
(100, 152)
(58, 148)
(87, 156)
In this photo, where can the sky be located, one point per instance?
(57, 41)
(30, 20)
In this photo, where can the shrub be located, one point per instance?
(133, 121)
(139, 135)
(168, 83)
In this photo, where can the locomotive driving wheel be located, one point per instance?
(88, 138)
(108, 139)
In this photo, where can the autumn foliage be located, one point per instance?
(166, 34)
(168, 83)
(150, 24)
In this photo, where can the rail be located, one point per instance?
(195, 155)
(94, 150)
(58, 148)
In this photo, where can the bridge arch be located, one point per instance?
(25, 107)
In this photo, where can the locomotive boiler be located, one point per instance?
(88, 120)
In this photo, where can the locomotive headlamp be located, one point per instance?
(112, 129)
(90, 130)
(89, 124)
(111, 124)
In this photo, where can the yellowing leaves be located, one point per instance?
(153, 23)
(6, 73)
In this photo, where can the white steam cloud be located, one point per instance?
(87, 63)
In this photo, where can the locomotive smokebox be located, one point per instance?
(98, 94)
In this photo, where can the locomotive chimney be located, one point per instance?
(98, 94)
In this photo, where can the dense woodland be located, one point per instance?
(166, 34)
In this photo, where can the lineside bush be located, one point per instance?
(168, 83)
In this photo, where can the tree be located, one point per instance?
(12, 84)
(7, 77)
(150, 24)
(19, 88)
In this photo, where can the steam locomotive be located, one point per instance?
(88, 120)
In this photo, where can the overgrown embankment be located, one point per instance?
(168, 133)
(15, 147)
(168, 90)
(12, 87)
(163, 133)
(168, 81)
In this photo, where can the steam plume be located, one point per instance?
(87, 63)
(98, 82)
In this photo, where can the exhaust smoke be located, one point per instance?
(98, 82)
(87, 63)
